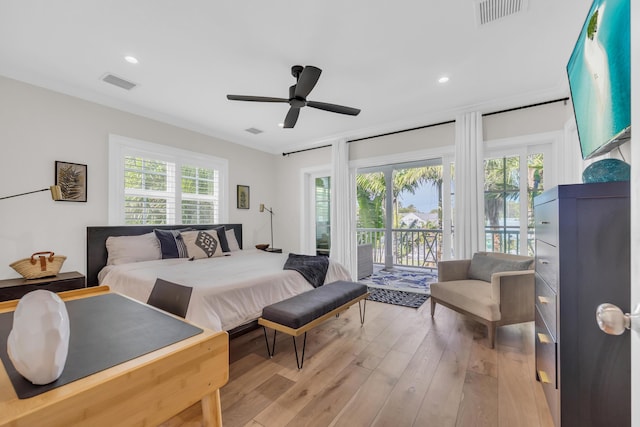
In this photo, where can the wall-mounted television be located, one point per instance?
(599, 74)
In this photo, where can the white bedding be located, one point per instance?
(227, 291)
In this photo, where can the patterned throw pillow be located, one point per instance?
(202, 244)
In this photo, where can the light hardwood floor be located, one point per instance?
(401, 368)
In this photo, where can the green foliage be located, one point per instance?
(592, 27)
(371, 192)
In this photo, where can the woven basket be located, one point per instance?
(39, 265)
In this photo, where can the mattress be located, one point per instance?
(227, 292)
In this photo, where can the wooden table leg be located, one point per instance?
(211, 410)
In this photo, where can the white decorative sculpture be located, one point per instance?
(39, 340)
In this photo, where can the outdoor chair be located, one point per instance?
(492, 288)
(365, 260)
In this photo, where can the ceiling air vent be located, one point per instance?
(118, 81)
(492, 10)
(254, 131)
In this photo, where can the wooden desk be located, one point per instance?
(144, 391)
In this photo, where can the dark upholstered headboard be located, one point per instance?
(97, 238)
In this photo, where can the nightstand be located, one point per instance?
(17, 288)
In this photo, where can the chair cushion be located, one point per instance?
(473, 296)
(301, 309)
(483, 266)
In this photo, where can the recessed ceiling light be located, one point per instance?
(281, 125)
(131, 59)
(443, 79)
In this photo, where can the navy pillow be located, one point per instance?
(222, 238)
(171, 243)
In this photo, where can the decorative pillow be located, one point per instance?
(232, 241)
(127, 249)
(202, 244)
(171, 243)
(483, 266)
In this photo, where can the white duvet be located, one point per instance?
(227, 291)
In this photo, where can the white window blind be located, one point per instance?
(156, 184)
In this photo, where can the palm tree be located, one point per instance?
(372, 190)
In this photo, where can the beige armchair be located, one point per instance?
(494, 289)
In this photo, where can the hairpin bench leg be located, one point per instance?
(300, 361)
(363, 310)
(271, 351)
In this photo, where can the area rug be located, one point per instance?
(392, 296)
(402, 279)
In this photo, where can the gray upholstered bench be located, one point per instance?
(296, 315)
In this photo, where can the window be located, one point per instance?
(156, 184)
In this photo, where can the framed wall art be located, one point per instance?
(72, 179)
(243, 197)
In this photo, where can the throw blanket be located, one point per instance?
(313, 268)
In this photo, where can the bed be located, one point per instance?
(229, 291)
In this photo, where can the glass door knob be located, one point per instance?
(612, 320)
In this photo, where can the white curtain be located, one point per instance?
(469, 191)
(343, 239)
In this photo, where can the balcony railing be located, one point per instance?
(421, 247)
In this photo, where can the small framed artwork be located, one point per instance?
(243, 197)
(72, 180)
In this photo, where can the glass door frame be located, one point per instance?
(523, 147)
(308, 218)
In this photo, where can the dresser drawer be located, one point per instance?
(546, 361)
(547, 265)
(546, 217)
(546, 303)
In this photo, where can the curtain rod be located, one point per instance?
(306, 149)
(435, 124)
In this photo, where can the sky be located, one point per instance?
(425, 199)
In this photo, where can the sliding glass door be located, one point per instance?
(401, 211)
(322, 209)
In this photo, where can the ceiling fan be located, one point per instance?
(306, 79)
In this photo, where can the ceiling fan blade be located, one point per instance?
(292, 118)
(255, 98)
(307, 81)
(334, 108)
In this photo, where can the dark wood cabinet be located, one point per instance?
(17, 288)
(582, 261)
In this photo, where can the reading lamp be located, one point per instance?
(262, 209)
(56, 193)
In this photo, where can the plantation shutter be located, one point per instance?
(200, 199)
(149, 193)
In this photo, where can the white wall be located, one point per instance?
(410, 141)
(286, 221)
(527, 121)
(38, 127)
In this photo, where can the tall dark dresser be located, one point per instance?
(582, 260)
